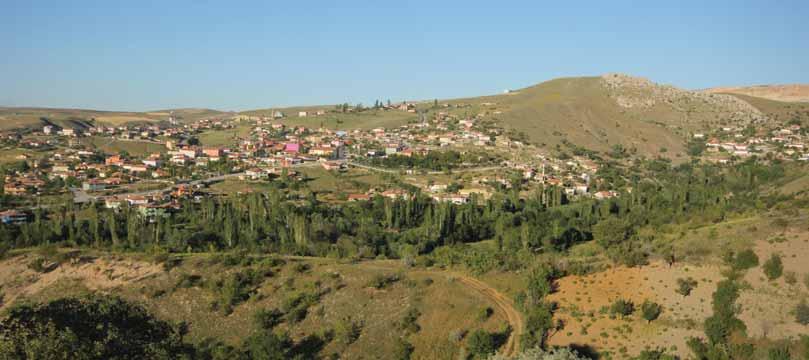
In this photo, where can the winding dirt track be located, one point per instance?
(501, 301)
(505, 305)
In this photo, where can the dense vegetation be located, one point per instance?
(281, 220)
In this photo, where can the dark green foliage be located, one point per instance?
(267, 345)
(746, 259)
(685, 286)
(538, 324)
(779, 353)
(773, 267)
(802, 313)
(724, 322)
(187, 281)
(480, 344)
(94, 327)
(381, 281)
(485, 313)
(347, 330)
(296, 306)
(402, 350)
(434, 160)
(650, 310)
(622, 308)
(267, 319)
(409, 320)
(236, 287)
(657, 354)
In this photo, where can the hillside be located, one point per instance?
(315, 296)
(28, 117)
(785, 93)
(779, 111)
(600, 112)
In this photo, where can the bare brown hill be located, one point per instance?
(786, 93)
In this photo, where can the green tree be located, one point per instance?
(650, 310)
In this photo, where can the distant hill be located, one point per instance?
(29, 117)
(600, 112)
(785, 93)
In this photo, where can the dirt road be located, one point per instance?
(505, 305)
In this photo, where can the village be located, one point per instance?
(450, 157)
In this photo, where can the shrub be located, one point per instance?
(485, 313)
(480, 344)
(790, 277)
(301, 267)
(267, 319)
(408, 322)
(650, 310)
(779, 353)
(802, 313)
(402, 350)
(685, 286)
(4, 249)
(187, 281)
(381, 281)
(744, 260)
(457, 335)
(347, 330)
(773, 267)
(622, 308)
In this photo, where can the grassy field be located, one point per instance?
(224, 137)
(114, 146)
(442, 303)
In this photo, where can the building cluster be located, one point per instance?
(783, 142)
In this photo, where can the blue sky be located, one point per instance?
(141, 55)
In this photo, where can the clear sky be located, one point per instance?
(232, 55)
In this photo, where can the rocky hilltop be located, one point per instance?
(640, 94)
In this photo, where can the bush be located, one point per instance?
(773, 267)
(381, 281)
(408, 322)
(301, 267)
(457, 335)
(790, 277)
(779, 353)
(802, 313)
(622, 308)
(402, 350)
(347, 330)
(685, 286)
(485, 313)
(480, 344)
(744, 260)
(187, 281)
(267, 319)
(650, 310)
